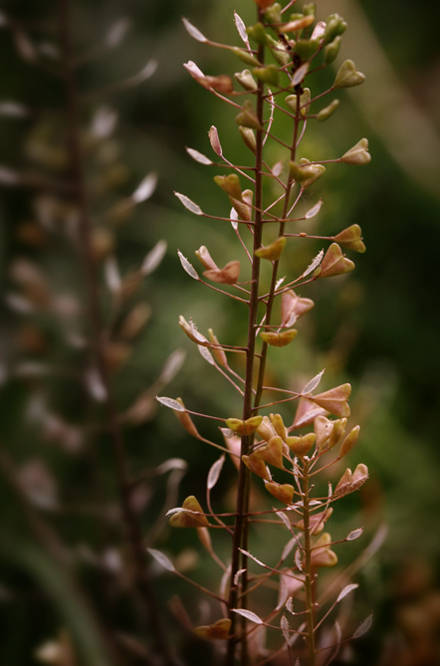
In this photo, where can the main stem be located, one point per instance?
(308, 581)
(145, 593)
(240, 534)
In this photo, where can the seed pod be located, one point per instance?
(349, 442)
(327, 111)
(283, 492)
(348, 76)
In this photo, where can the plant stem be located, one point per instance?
(308, 582)
(240, 536)
(143, 585)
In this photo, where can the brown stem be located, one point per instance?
(240, 535)
(143, 585)
(308, 573)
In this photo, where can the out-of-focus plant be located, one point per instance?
(281, 52)
(76, 325)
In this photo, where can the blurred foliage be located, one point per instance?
(379, 329)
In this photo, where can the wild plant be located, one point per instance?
(77, 319)
(271, 211)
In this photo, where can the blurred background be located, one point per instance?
(379, 329)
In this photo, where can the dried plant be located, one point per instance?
(282, 51)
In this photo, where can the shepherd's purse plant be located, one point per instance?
(270, 210)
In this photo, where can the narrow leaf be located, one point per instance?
(355, 534)
(214, 472)
(298, 559)
(285, 627)
(163, 560)
(249, 615)
(154, 257)
(315, 263)
(145, 188)
(237, 575)
(215, 141)
(288, 548)
(206, 354)
(364, 627)
(313, 383)
(112, 276)
(241, 29)
(187, 267)
(198, 157)
(314, 211)
(347, 589)
(117, 32)
(193, 31)
(285, 520)
(190, 205)
(169, 402)
(300, 73)
(248, 554)
(172, 366)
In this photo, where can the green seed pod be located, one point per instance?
(273, 13)
(279, 51)
(309, 9)
(335, 26)
(328, 111)
(246, 80)
(304, 101)
(245, 56)
(331, 50)
(348, 76)
(257, 33)
(305, 48)
(247, 117)
(248, 136)
(269, 74)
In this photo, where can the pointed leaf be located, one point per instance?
(145, 189)
(314, 210)
(315, 263)
(299, 559)
(190, 205)
(347, 589)
(364, 627)
(300, 74)
(354, 534)
(249, 615)
(187, 267)
(199, 157)
(193, 31)
(313, 383)
(215, 141)
(285, 628)
(241, 29)
(169, 402)
(214, 472)
(153, 258)
(163, 560)
(206, 354)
